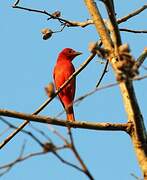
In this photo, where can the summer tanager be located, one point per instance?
(62, 71)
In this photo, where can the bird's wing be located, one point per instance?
(61, 74)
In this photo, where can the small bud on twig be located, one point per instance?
(50, 90)
(48, 147)
(47, 33)
(56, 14)
(92, 46)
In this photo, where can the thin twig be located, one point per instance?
(140, 59)
(66, 162)
(60, 29)
(42, 12)
(78, 157)
(20, 158)
(134, 13)
(8, 166)
(41, 132)
(57, 133)
(103, 73)
(15, 3)
(10, 125)
(61, 20)
(132, 31)
(77, 23)
(136, 177)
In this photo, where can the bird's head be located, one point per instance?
(69, 53)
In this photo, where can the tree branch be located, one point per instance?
(132, 31)
(29, 133)
(104, 72)
(113, 23)
(66, 162)
(78, 157)
(99, 24)
(67, 23)
(134, 13)
(123, 69)
(141, 59)
(20, 158)
(75, 124)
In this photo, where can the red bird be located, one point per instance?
(62, 71)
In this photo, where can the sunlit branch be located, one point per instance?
(114, 25)
(132, 14)
(141, 59)
(70, 23)
(61, 20)
(75, 124)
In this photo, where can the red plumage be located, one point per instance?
(62, 71)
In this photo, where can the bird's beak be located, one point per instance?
(76, 53)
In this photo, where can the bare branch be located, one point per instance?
(61, 20)
(113, 24)
(132, 31)
(75, 124)
(14, 133)
(41, 132)
(66, 162)
(74, 150)
(71, 146)
(134, 13)
(81, 24)
(99, 24)
(17, 1)
(9, 166)
(53, 130)
(141, 59)
(136, 177)
(70, 23)
(104, 72)
(10, 125)
(48, 147)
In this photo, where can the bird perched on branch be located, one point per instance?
(62, 71)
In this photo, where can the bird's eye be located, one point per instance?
(70, 51)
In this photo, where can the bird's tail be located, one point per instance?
(70, 114)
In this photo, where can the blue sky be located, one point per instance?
(27, 63)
